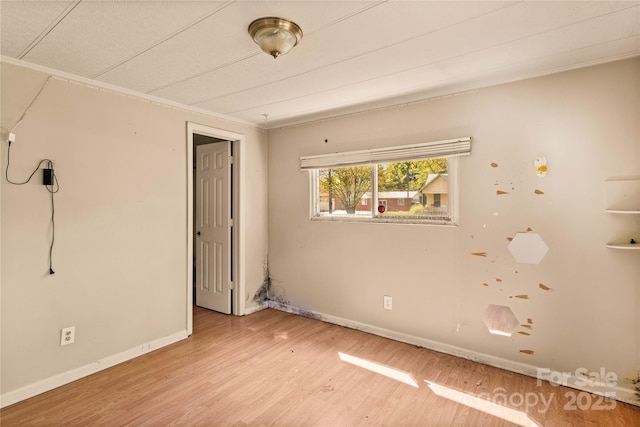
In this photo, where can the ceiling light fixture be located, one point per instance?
(275, 36)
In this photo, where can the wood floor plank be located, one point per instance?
(277, 369)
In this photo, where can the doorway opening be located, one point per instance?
(214, 221)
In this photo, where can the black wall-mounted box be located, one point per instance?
(47, 176)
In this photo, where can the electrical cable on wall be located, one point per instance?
(50, 180)
(24, 113)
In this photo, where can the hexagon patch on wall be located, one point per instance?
(528, 248)
(500, 320)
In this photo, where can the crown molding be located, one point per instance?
(62, 75)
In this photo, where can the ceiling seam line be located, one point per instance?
(392, 74)
(348, 16)
(161, 41)
(104, 87)
(218, 68)
(348, 59)
(48, 30)
(172, 105)
(307, 121)
(375, 109)
(419, 66)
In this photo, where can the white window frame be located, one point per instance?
(451, 149)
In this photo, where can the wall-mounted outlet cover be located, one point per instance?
(387, 302)
(68, 335)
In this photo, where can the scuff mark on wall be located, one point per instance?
(528, 326)
(285, 306)
(636, 384)
(267, 292)
(305, 312)
(544, 287)
(269, 296)
(262, 294)
(530, 246)
(276, 297)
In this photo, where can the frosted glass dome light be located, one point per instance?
(275, 36)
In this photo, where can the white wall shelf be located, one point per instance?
(623, 197)
(625, 246)
(615, 211)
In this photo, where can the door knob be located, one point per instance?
(198, 233)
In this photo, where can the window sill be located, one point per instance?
(383, 220)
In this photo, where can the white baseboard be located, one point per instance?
(255, 308)
(570, 380)
(15, 396)
(620, 393)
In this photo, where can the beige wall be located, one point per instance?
(120, 256)
(586, 123)
(121, 232)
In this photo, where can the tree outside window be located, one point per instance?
(347, 190)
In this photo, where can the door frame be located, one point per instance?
(237, 211)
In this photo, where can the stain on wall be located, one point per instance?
(269, 296)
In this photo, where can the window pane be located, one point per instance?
(414, 189)
(345, 191)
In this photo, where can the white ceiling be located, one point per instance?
(354, 55)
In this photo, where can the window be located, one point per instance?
(407, 184)
(343, 191)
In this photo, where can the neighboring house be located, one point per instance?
(434, 193)
(393, 201)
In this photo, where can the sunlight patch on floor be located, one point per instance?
(486, 406)
(387, 371)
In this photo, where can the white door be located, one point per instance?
(213, 226)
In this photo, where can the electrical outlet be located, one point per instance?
(68, 335)
(387, 302)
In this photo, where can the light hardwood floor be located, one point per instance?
(275, 368)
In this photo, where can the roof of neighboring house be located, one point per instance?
(432, 177)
